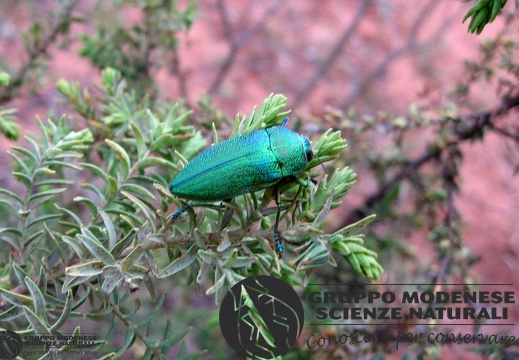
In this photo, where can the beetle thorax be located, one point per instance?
(290, 148)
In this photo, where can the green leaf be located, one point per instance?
(42, 280)
(112, 277)
(111, 189)
(150, 216)
(89, 269)
(46, 140)
(96, 170)
(26, 180)
(96, 248)
(137, 189)
(43, 218)
(13, 231)
(93, 207)
(121, 245)
(63, 164)
(123, 157)
(329, 144)
(69, 213)
(4, 79)
(69, 155)
(27, 153)
(21, 163)
(75, 245)
(11, 314)
(34, 146)
(128, 341)
(37, 297)
(11, 195)
(20, 274)
(153, 313)
(73, 281)
(86, 294)
(217, 286)
(268, 115)
(13, 205)
(65, 312)
(110, 228)
(70, 346)
(180, 263)
(132, 257)
(170, 341)
(126, 216)
(15, 298)
(109, 356)
(155, 161)
(141, 146)
(44, 196)
(355, 227)
(95, 190)
(34, 237)
(55, 182)
(37, 324)
(161, 142)
(315, 255)
(43, 171)
(163, 191)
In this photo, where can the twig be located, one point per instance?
(237, 43)
(410, 45)
(450, 173)
(176, 70)
(38, 50)
(507, 134)
(469, 127)
(334, 54)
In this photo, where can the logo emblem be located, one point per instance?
(10, 345)
(261, 317)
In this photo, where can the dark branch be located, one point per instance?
(411, 45)
(334, 54)
(237, 43)
(469, 127)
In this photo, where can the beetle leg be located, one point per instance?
(179, 212)
(303, 182)
(277, 238)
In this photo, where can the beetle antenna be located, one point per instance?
(320, 162)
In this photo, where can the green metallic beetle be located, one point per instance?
(242, 165)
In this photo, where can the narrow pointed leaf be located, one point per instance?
(89, 269)
(180, 263)
(97, 249)
(37, 324)
(37, 297)
(153, 313)
(123, 157)
(15, 298)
